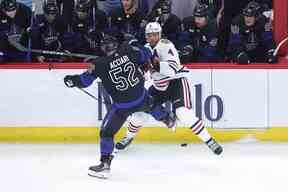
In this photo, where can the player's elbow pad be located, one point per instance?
(86, 79)
(165, 69)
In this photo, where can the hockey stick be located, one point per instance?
(91, 95)
(20, 47)
(87, 93)
(279, 46)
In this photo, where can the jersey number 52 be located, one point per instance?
(124, 77)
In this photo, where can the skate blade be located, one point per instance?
(99, 175)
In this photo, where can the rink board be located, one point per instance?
(36, 106)
(147, 135)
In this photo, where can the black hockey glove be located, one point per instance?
(242, 58)
(73, 81)
(186, 54)
(188, 50)
(270, 57)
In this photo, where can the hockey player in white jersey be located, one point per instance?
(169, 84)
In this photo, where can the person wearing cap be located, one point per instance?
(216, 8)
(251, 38)
(170, 23)
(199, 39)
(85, 32)
(46, 32)
(14, 23)
(127, 20)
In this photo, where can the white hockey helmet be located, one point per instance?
(153, 27)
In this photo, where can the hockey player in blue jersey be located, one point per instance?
(200, 37)
(122, 77)
(14, 22)
(251, 38)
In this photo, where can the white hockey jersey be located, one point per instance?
(170, 66)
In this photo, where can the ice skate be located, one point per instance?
(125, 141)
(214, 146)
(170, 121)
(101, 171)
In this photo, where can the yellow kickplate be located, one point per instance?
(146, 134)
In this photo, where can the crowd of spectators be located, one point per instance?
(199, 28)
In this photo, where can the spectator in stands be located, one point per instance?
(171, 24)
(15, 20)
(233, 9)
(251, 38)
(143, 6)
(66, 8)
(182, 9)
(46, 32)
(28, 3)
(109, 5)
(200, 37)
(128, 20)
(216, 8)
(85, 33)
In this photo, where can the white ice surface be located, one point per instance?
(243, 167)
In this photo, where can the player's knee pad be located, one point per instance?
(186, 116)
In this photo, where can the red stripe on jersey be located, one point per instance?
(198, 126)
(161, 81)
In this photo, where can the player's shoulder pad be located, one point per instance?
(165, 42)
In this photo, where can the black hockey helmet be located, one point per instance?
(253, 9)
(202, 10)
(8, 5)
(109, 43)
(165, 6)
(50, 7)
